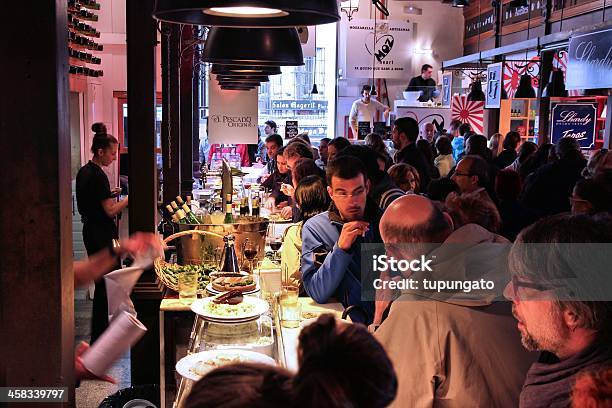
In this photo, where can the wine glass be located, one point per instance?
(250, 252)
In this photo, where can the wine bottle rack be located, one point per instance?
(80, 34)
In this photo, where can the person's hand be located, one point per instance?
(81, 372)
(269, 204)
(287, 189)
(142, 244)
(263, 178)
(282, 205)
(286, 212)
(350, 232)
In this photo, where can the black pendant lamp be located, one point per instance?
(237, 88)
(525, 90)
(220, 69)
(556, 85)
(253, 46)
(476, 93)
(315, 90)
(461, 3)
(251, 13)
(239, 83)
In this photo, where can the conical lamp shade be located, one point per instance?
(253, 46)
(555, 86)
(237, 88)
(252, 13)
(220, 69)
(525, 90)
(259, 78)
(239, 83)
(315, 90)
(476, 93)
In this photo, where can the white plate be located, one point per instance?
(211, 290)
(260, 307)
(184, 365)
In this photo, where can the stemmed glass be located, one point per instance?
(274, 240)
(250, 252)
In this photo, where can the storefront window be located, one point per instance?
(288, 96)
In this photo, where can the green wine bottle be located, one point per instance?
(229, 216)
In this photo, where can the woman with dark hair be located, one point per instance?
(544, 155)
(98, 207)
(303, 167)
(242, 385)
(444, 161)
(342, 365)
(513, 214)
(405, 177)
(508, 155)
(311, 198)
(376, 142)
(527, 150)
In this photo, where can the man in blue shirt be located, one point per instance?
(331, 259)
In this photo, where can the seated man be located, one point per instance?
(451, 349)
(331, 262)
(568, 320)
(280, 175)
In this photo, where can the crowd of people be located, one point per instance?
(455, 187)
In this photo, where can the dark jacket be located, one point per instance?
(413, 156)
(383, 191)
(273, 183)
(548, 189)
(327, 270)
(505, 158)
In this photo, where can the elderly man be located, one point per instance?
(331, 258)
(472, 177)
(569, 320)
(451, 349)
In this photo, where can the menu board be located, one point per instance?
(575, 120)
(363, 129)
(291, 129)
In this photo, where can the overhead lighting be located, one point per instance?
(525, 90)
(314, 90)
(237, 88)
(251, 13)
(253, 46)
(260, 78)
(461, 3)
(415, 11)
(423, 51)
(349, 7)
(220, 69)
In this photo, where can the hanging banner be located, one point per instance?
(575, 120)
(494, 85)
(232, 115)
(514, 69)
(389, 50)
(590, 61)
(471, 112)
(447, 89)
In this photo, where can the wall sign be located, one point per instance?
(517, 14)
(479, 24)
(447, 89)
(471, 112)
(291, 104)
(576, 120)
(590, 61)
(232, 115)
(390, 51)
(291, 129)
(494, 85)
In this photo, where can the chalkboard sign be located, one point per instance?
(291, 129)
(363, 129)
(589, 64)
(380, 128)
(575, 120)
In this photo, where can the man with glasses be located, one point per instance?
(331, 262)
(561, 296)
(472, 176)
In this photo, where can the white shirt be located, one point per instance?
(364, 112)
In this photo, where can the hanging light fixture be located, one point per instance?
(461, 3)
(251, 13)
(525, 90)
(237, 88)
(220, 69)
(238, 82)
(260, 78)
(314, 90)
(476, 93)
(556, 85)
(349, 7)
(253, 46)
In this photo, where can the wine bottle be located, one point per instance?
(181, 216)
(229, 216)
(255, 209)
(244, 206)
(175, 218)
(230, 260)
(189, 215)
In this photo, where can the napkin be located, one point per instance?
(119, 285)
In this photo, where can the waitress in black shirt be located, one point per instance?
(98, 208)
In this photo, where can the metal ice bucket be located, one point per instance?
(196, 248)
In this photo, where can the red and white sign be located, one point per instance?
(470, 112)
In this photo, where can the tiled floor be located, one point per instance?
(91, 393)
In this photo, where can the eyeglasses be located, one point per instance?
(517, 283)
(344, 196)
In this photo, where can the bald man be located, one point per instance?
(452, 349)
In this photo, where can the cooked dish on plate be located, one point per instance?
(227, 283)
